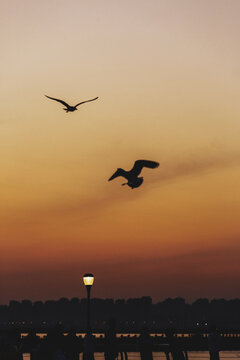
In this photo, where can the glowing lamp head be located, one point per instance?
(88, 279)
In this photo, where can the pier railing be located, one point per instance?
(32, 343)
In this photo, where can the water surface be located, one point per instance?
(192, 355)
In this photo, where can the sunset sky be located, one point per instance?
(167, 73)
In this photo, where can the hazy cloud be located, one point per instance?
(110, 194)
(197, 165)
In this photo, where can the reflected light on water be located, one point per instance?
(192, 355)
(97, 335)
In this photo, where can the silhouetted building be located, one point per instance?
(131, 314)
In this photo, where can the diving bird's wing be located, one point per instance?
(117, 173)
(139, 164)
(86, 101)
(61, 101)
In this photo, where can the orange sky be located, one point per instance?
(167, 76)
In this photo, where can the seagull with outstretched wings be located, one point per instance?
(69, 107)
(132, 176)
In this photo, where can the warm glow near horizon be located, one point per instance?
(167, 77)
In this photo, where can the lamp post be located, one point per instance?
(88, 280)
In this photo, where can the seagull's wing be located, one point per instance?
(61, 101)
(139, 164)
(119, 172)
(86, 101)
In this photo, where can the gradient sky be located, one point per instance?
(167, 76)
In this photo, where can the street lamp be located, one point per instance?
(88, 280)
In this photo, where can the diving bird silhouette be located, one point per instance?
(69, 107)
(132, 176)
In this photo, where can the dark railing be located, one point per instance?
(32, 344)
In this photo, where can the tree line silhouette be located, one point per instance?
(130, 314)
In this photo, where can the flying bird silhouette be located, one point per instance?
(132, 176)
(69, 107)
